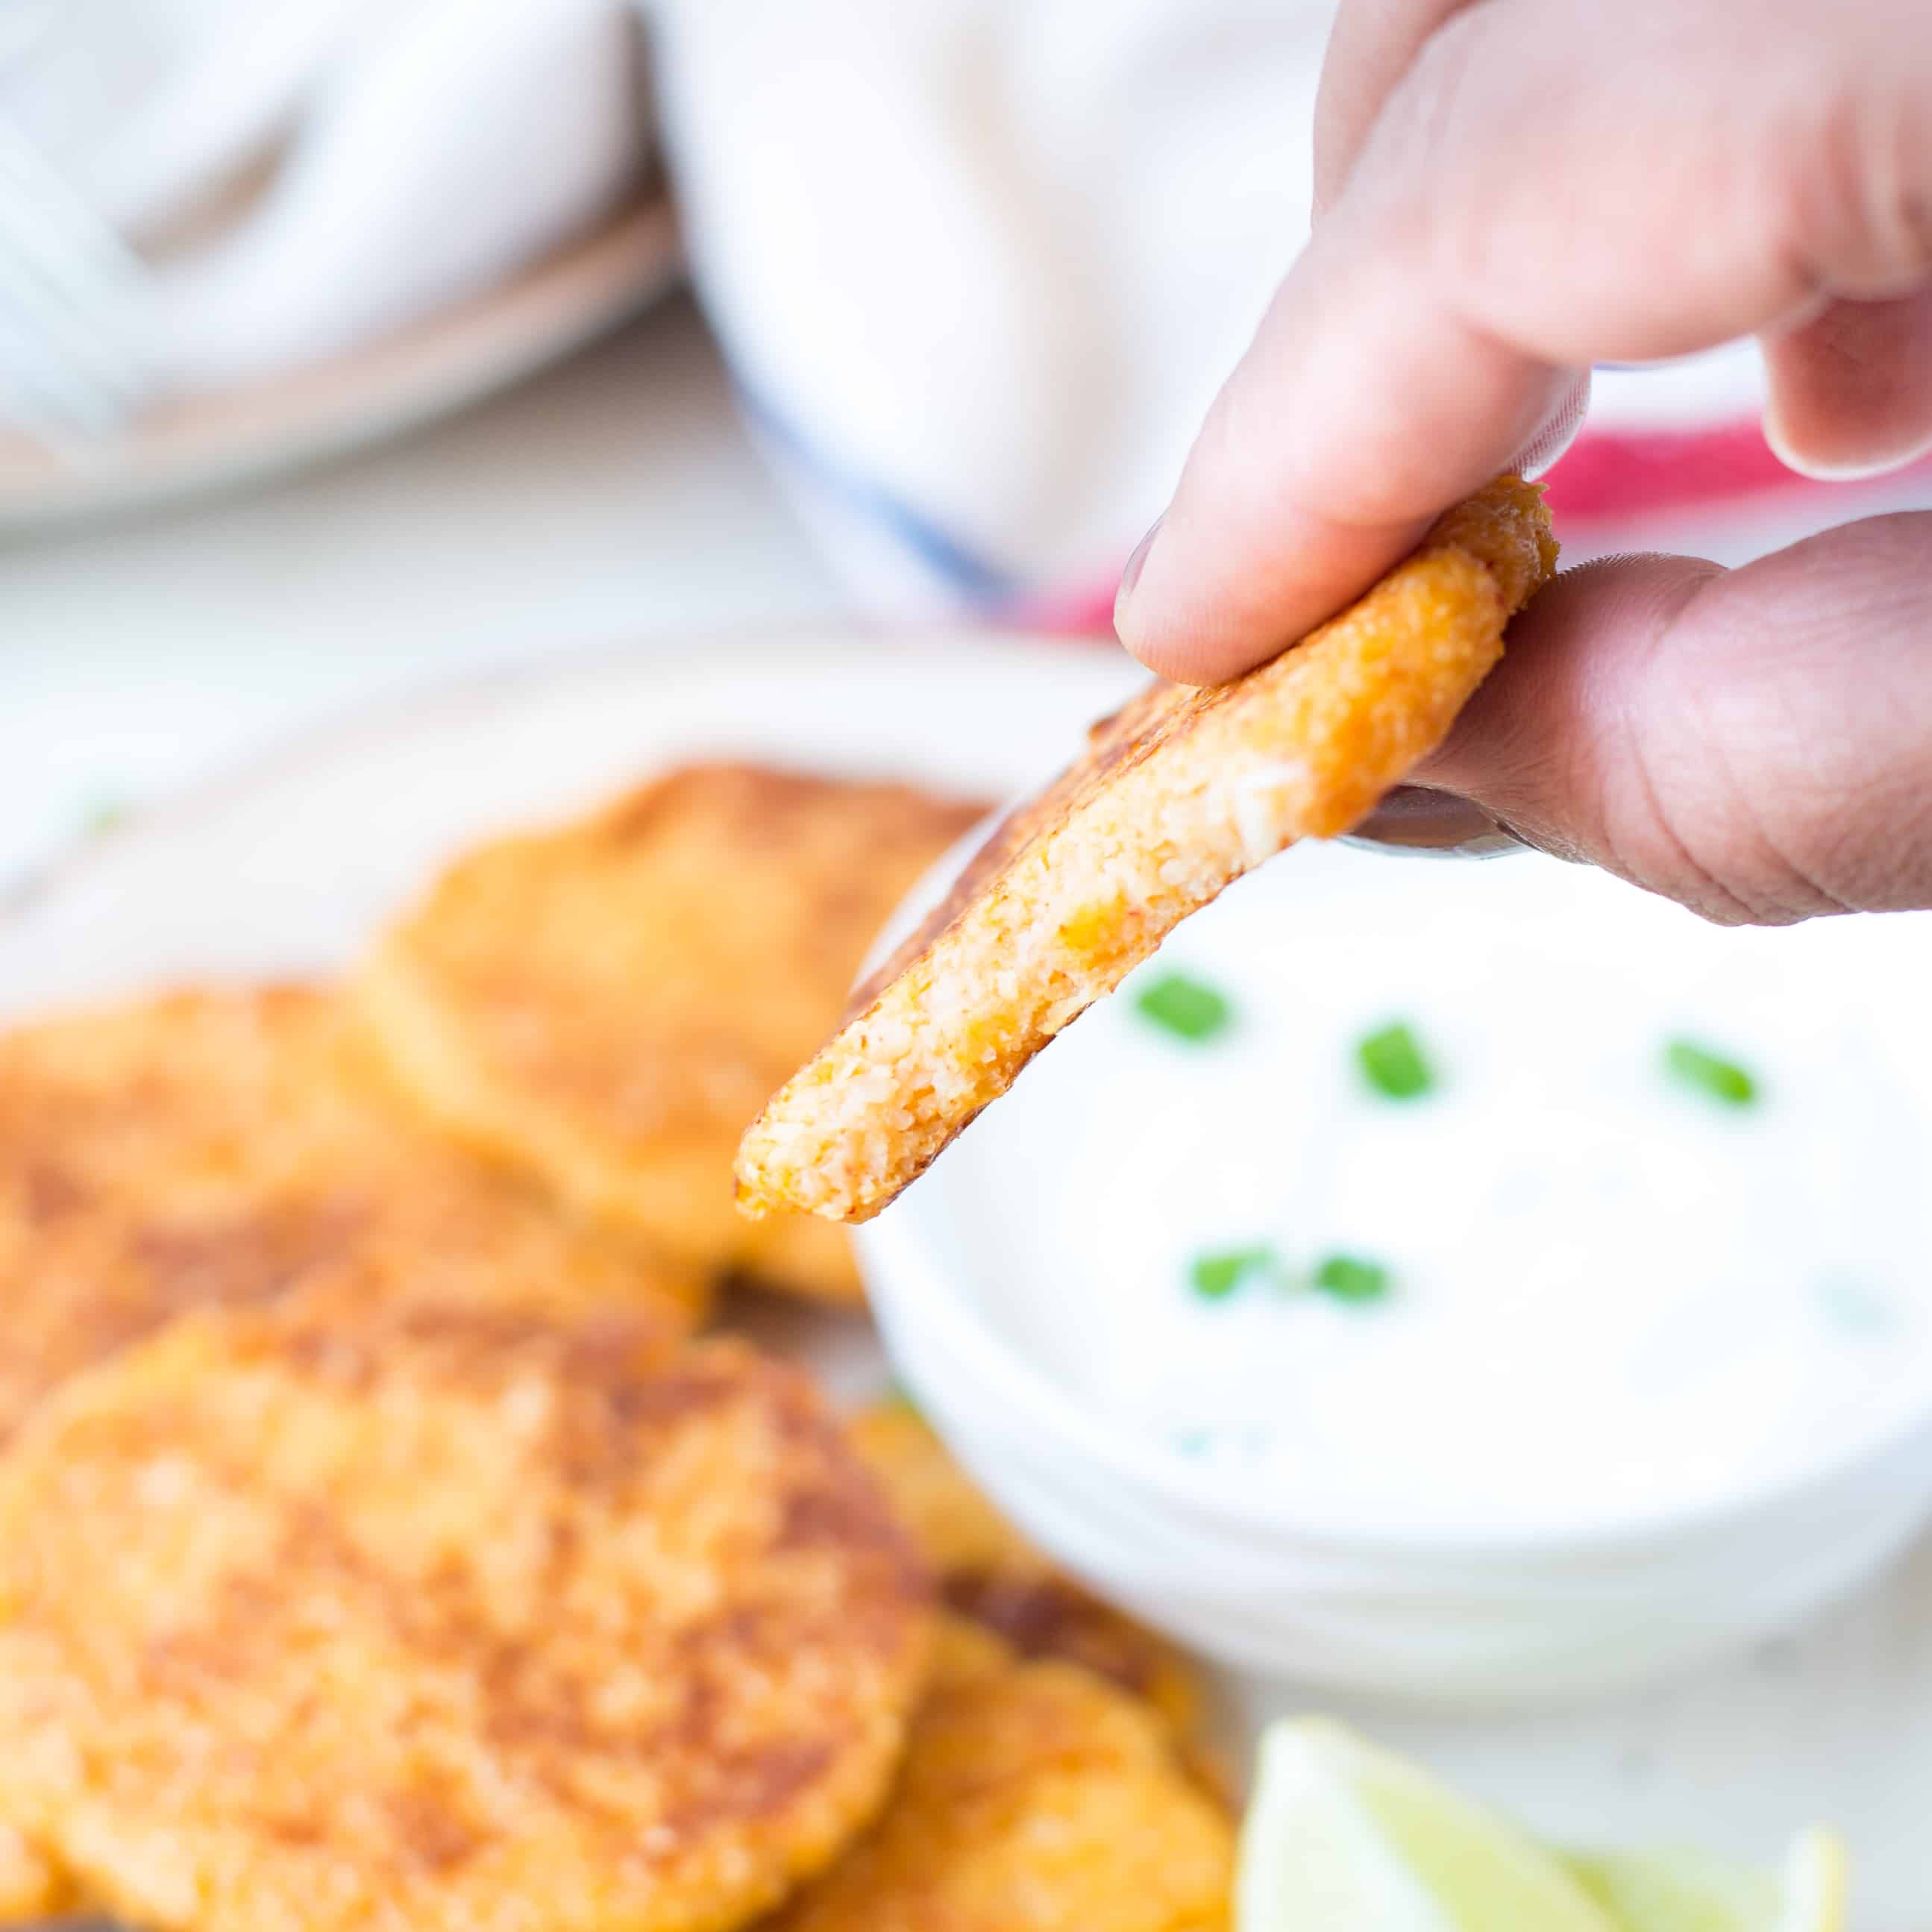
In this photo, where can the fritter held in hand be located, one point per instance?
(1176, 797)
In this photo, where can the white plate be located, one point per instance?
(287, 868)
(434, 365)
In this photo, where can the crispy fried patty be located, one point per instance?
(220, 1147)
(1034, 1797)
(1176, 797)
(988, 1573)
(446, 1619)
(609, 1003)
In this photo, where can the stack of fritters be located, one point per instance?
(379, 1549)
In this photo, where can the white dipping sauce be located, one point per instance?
(1611, 1294)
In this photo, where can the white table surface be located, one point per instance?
(616, 497)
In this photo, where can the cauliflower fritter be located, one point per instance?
(446, 1619)
(206, 1147)
(1034, 1797)
(608, 1004)
(1177, 795)
(989, 1573)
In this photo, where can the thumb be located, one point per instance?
(1753, 743)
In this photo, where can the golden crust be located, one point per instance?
(608, 1004)
(989, 1574)
(219, 1147)
(1034, 1797)
(31, 1886)
(447, 1620)
(1177, 795)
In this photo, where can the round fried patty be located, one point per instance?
(446, 1619)
(609, 1003)
(221, 1146)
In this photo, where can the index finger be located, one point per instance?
(1550, 185)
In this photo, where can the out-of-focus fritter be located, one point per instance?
(610, 1003)
(1034, 1797)
(220, 1147)
(446, 1620)
(1176, 797)
(987, 1572)
(31, 1886)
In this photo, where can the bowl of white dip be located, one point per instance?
(1472, 1282)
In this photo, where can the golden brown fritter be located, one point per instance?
(988, 1573)
(218, 1147)
(1034, 1797)
(609, 1003)
(31, 1886)
(446, 1620)
(1176, 797)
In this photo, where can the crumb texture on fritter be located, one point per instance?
(1034, 1797)
(608, 1004)
(221, 1146)
(990, 1575)
(1177, 795)
(446, 1620)
(32, 1887)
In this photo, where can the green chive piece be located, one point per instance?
(1185, 1007)
(1215, 1277)
(104, 815)
(1712, 1075)
(1351, 1278)
(1394, 1064)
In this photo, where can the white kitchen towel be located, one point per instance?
(980, 265)
(306, 174)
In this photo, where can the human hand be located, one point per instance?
(1506, 192)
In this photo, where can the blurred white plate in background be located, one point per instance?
(346, 402)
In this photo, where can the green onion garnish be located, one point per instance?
(104, 815)
(1214, 1277)
(1351, 1278)
(1394, 1064)
(1184, 1007)
(1710, 1073)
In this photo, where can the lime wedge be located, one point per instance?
(1687, 1891)
(1340, 1836)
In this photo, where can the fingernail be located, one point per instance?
(1131, 575)
(1824, 469)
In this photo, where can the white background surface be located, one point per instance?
(615, 498)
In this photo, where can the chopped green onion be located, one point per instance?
(104, 815)
(1710, 1073)
(1185, 1007)
(1394, 1064)
(1215, 1277)
(1350, 1278)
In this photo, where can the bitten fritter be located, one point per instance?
(1034, 1797)
(609, 1003)
(446, 1620)
(989, 1574)
(219, 1147)
(1176, 797)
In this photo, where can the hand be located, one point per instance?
(1506, 192)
